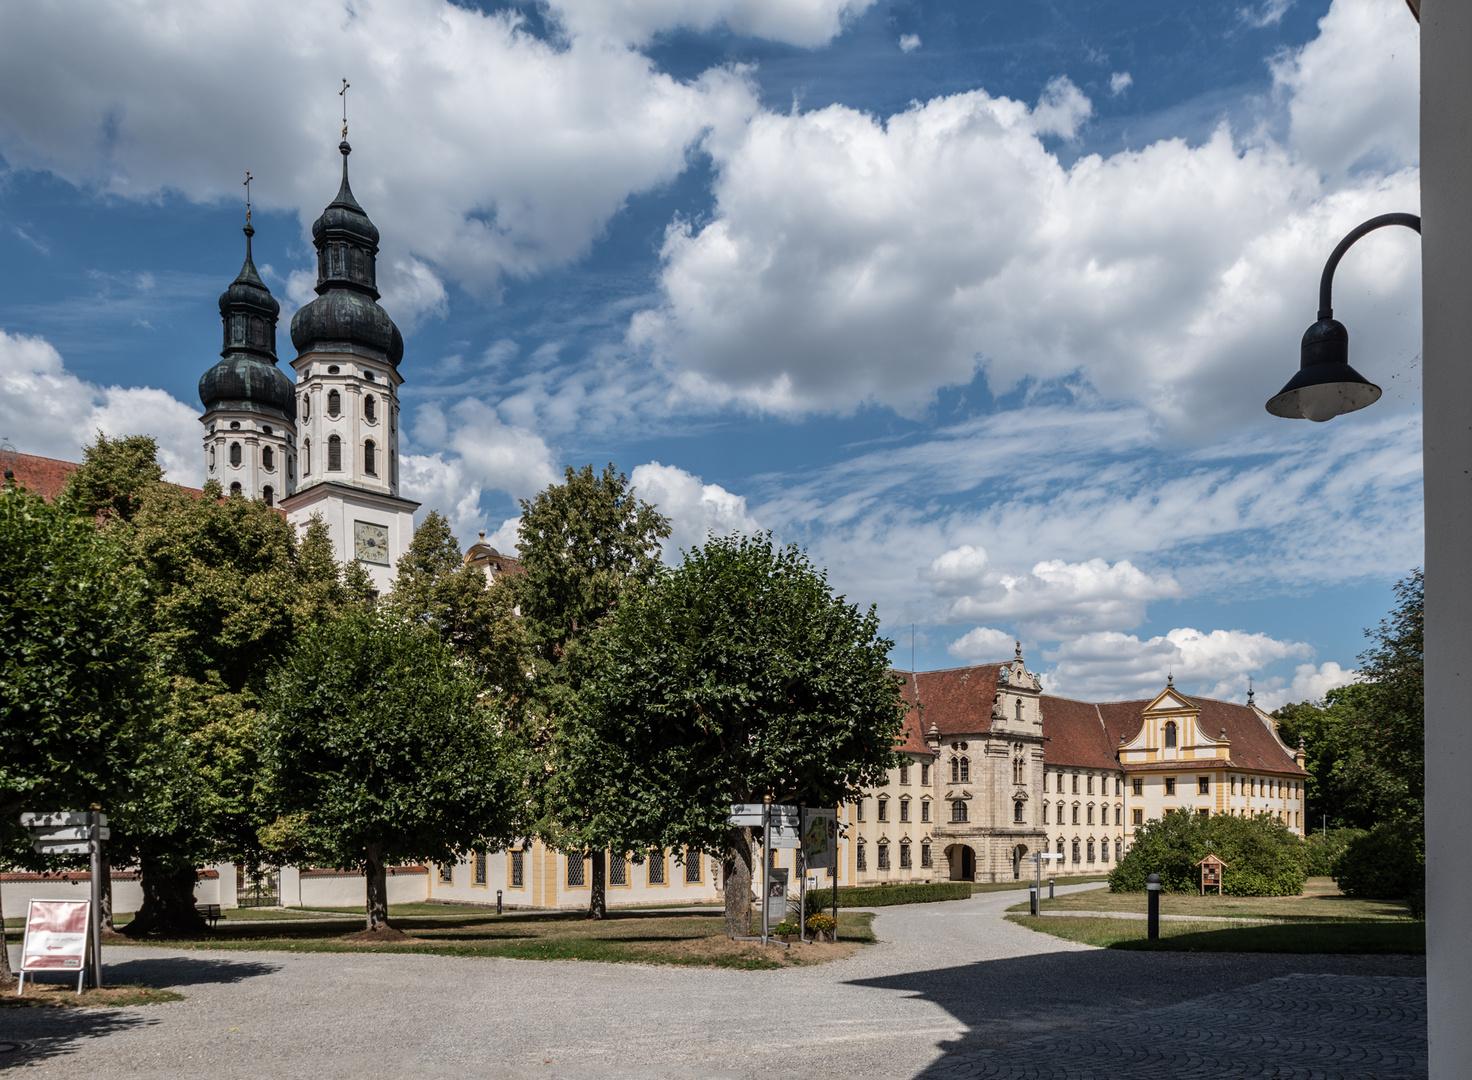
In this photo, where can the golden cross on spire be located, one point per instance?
(343, 93)
(248, 179)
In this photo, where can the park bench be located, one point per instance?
(209, 911)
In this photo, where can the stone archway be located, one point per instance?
(962, 861)
(1018, 854)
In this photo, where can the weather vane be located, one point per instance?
(343, 93)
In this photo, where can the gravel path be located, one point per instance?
(951, 978)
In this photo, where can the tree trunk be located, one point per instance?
(736, 878)
(168, 901)
(377, 875)
(598, 894)
(7, 977)
(105, 916)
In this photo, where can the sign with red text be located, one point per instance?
(56, 935)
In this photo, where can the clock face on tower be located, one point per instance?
(371, 541)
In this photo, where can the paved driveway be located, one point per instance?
(952, 990)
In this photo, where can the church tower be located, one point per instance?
(347, 397)
(250, 410)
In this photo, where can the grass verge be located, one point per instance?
(1338, 937)
(55, 995)
(693, 940)
(1320, 900)
(1007, 886)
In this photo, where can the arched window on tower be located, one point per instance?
(370, 458)
(393, 468)
(1170, 733)
(269, 495)
(235, 488)
(268, 458)
(306, 407)
(958, 810)
(235, 454)
(306, 457)
(357, 263)
(334, 454)
(212, 459)
(370, 408)
(1017, 812)
(258, 331)
(334, 403)
(965, 770)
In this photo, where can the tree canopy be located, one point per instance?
(737, 675)
(378, 750)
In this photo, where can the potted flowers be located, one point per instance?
(821, 926)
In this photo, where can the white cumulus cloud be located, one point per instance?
(48, 411)
(909, 42)
(1120, 81)
(982, 645)
(695, 510)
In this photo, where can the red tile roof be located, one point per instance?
(42, 476)
(958, 701)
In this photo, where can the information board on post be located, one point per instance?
(820, 839)
(776, 902)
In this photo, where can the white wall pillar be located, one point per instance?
(289, 886)
(1446, 209)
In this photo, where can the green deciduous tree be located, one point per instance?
(76, 684)
(735, 676)
(115, 476)
(1264, 857)
(585, 545)
(378, 749)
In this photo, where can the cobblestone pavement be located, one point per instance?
(946, 983)
(1314, 1027)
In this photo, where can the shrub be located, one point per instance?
(1324, 851)
(784, 927)
(923, 892)
(1386, 863)
(1263, 857)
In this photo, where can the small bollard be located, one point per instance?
(1152, 890)
(498, 901)
(1050, 886)
(1032, 900)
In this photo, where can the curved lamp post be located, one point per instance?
(1326, 386)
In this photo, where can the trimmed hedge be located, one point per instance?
(1263, 857)
(885, 895)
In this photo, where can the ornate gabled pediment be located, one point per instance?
(1172, 700)
(959, 793)
(1020, 795)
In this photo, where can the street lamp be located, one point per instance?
(1326, 386)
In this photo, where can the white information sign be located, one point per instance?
(58, 819)
(776, 895)
(785, 837)
(56, 935)
(820, 839)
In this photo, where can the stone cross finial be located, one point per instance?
(343, 93)
(248, 179)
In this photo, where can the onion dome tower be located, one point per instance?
(250, 409)
(347, 365)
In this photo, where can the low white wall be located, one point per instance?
(17, 890)
(335, 888)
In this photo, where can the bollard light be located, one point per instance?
(1152, 906)
(1326, 386)
(498, 901)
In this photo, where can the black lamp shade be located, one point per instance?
(1325, 386)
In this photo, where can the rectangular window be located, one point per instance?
(1090, 850)
(1104, 851)
(692, 868)
(1118, 850)
(480, 867)
(575, 871)
(1137, 817)
(965, 770)
(1118, 787)
(1091, 814)
(618, 870)
(904, 774)
(1075, 851)
(1203, 811)
(926, 862)
(1089, 780)
(1075, 783)
(1045, 781)
(1203, 785)
(925, 810)
(863, 860)
(883, 856)
(859, 810)
(1137, 787)
(1045, 813)
(1075, 815)
(1119, 815)
(924, 775)
(1170, 785)
(958, 810)
(905, 809)
(656, 868)
(518, 869)
(447, 873)
(883, 809)
(1234, 785)
(905, 856)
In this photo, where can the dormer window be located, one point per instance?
(1170, 733)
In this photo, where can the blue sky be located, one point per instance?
(979, 302)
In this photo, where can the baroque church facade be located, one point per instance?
(326, 443)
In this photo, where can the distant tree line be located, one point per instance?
(227, 691)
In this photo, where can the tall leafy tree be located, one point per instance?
(585, 545)
(115, 476)
(477, 619)
(76, 679)
(379, 749)
(736, 676)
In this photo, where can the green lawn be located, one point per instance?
(1007, 886)
(1380, 937)
(695, 939)
(1321, 900)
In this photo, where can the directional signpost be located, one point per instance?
(781, 828)
(1036, 906)
(69, 832)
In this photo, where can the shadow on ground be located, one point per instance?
(45, 1033)
(169, 972)
(1004, 1001)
